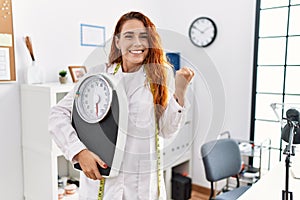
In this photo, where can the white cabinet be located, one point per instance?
(40, 153)
(177, 152)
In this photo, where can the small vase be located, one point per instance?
(34, 74)
(63, 80)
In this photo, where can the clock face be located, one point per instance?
(203, 32)
(93, 99)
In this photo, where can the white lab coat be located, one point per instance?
(138, 174)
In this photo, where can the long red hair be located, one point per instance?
(155, 62)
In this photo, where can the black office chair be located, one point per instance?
(222, 159)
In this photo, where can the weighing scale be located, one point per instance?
(100, 118)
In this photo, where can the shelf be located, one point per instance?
(250, 175)
(40, 153)
(250, 150)
(254, 152)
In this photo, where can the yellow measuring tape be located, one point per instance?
(158, 159)
(101, 189)
(102, 181)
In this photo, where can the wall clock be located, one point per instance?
(202, 32)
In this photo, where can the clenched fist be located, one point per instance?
(182, 79)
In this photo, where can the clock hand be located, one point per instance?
(194, 27)
(207, 29)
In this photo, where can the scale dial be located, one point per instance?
(94, 97)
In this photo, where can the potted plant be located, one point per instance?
(63, 76)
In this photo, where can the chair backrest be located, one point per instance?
(221, 159)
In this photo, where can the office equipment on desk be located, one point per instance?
(287, 114)
(290, 133)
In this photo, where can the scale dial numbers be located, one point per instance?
(94, 98)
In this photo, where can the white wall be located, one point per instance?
(54, 29)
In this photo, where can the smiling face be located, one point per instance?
(133, 43)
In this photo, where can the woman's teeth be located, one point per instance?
(136, 51)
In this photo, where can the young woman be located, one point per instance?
(155, 106)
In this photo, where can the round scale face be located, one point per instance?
(94, 98)
(202, 32)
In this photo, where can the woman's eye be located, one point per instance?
(128, 36)
(144, 36)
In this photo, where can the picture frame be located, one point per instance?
(77, 72)
(92, 35)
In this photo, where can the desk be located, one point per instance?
(270, 186)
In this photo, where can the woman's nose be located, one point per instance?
(137, 41)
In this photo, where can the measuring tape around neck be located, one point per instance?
(102, 181)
